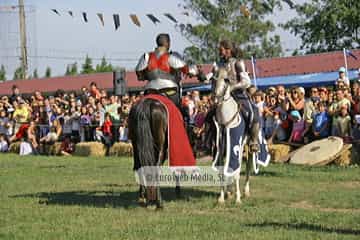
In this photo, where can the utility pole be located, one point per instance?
(24, 62)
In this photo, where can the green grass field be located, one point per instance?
(88, 198)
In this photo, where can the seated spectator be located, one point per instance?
(67, 147)
(321, 123)
(25, 148)
(51, 137)
(31, 135)
(298, 128)
(344, 124)
(4, 146)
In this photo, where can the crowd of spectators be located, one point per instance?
(294, 115)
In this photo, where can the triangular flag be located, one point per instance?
(116, 21)
(135, 20)
(55, 11)
(349, 53)
(101, 17)
(71, 13)
(169, 16)
(153, 18)
(85, 17)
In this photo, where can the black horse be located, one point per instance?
(148, 128)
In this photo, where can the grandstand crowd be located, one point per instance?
(292, 115)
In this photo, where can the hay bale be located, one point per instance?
(279, 152)
(344, 158)
(15, 147)
(85, 149)
(121, 149)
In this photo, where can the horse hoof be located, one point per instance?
(221, 201)
(238, 202)
(142, 202)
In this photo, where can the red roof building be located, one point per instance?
(298, 65)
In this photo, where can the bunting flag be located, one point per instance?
(350, 54)
(153, 18)
(116, 21)
(55, 11)
(101, 17)
(85, 16)
(71, 13)
(169, 16)
(135, 20)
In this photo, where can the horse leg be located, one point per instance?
(142, 190)
(177, 187)
(221, 199)
(238, 193)
(247, 180)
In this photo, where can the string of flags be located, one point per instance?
(116, 18)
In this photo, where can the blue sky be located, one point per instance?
(70, 39)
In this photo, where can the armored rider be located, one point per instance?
(163, 70)
(240, 81)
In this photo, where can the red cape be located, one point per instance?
(180, 151)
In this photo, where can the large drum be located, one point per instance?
(318, 153)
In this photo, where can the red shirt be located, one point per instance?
(106, 127)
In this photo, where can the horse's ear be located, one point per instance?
(227, 80)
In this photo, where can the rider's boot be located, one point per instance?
(254, 138)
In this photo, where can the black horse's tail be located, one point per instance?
(141, 135)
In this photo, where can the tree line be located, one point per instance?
(71, 69)
(322, 25)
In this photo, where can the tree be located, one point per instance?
(67, 72)
(35, 74)
(327, 25)
(18, 74)
(48, 72)
(87, 66)
(104, 66)
(2, 73)
(239, 21)
(74, 69)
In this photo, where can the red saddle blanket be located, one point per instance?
(179, 150)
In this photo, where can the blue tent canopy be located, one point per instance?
(307, 80)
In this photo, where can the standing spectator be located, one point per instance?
(112, 108)
(21, 115)
(278, 132)
(15, 94)
(321, 123)
(335, 109)
(85, 122)
(296, 100)
(342, 77)
(106, 129)
(344, 124)
(94, 91)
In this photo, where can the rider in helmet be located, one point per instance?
(240, 80)
(163, 69)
